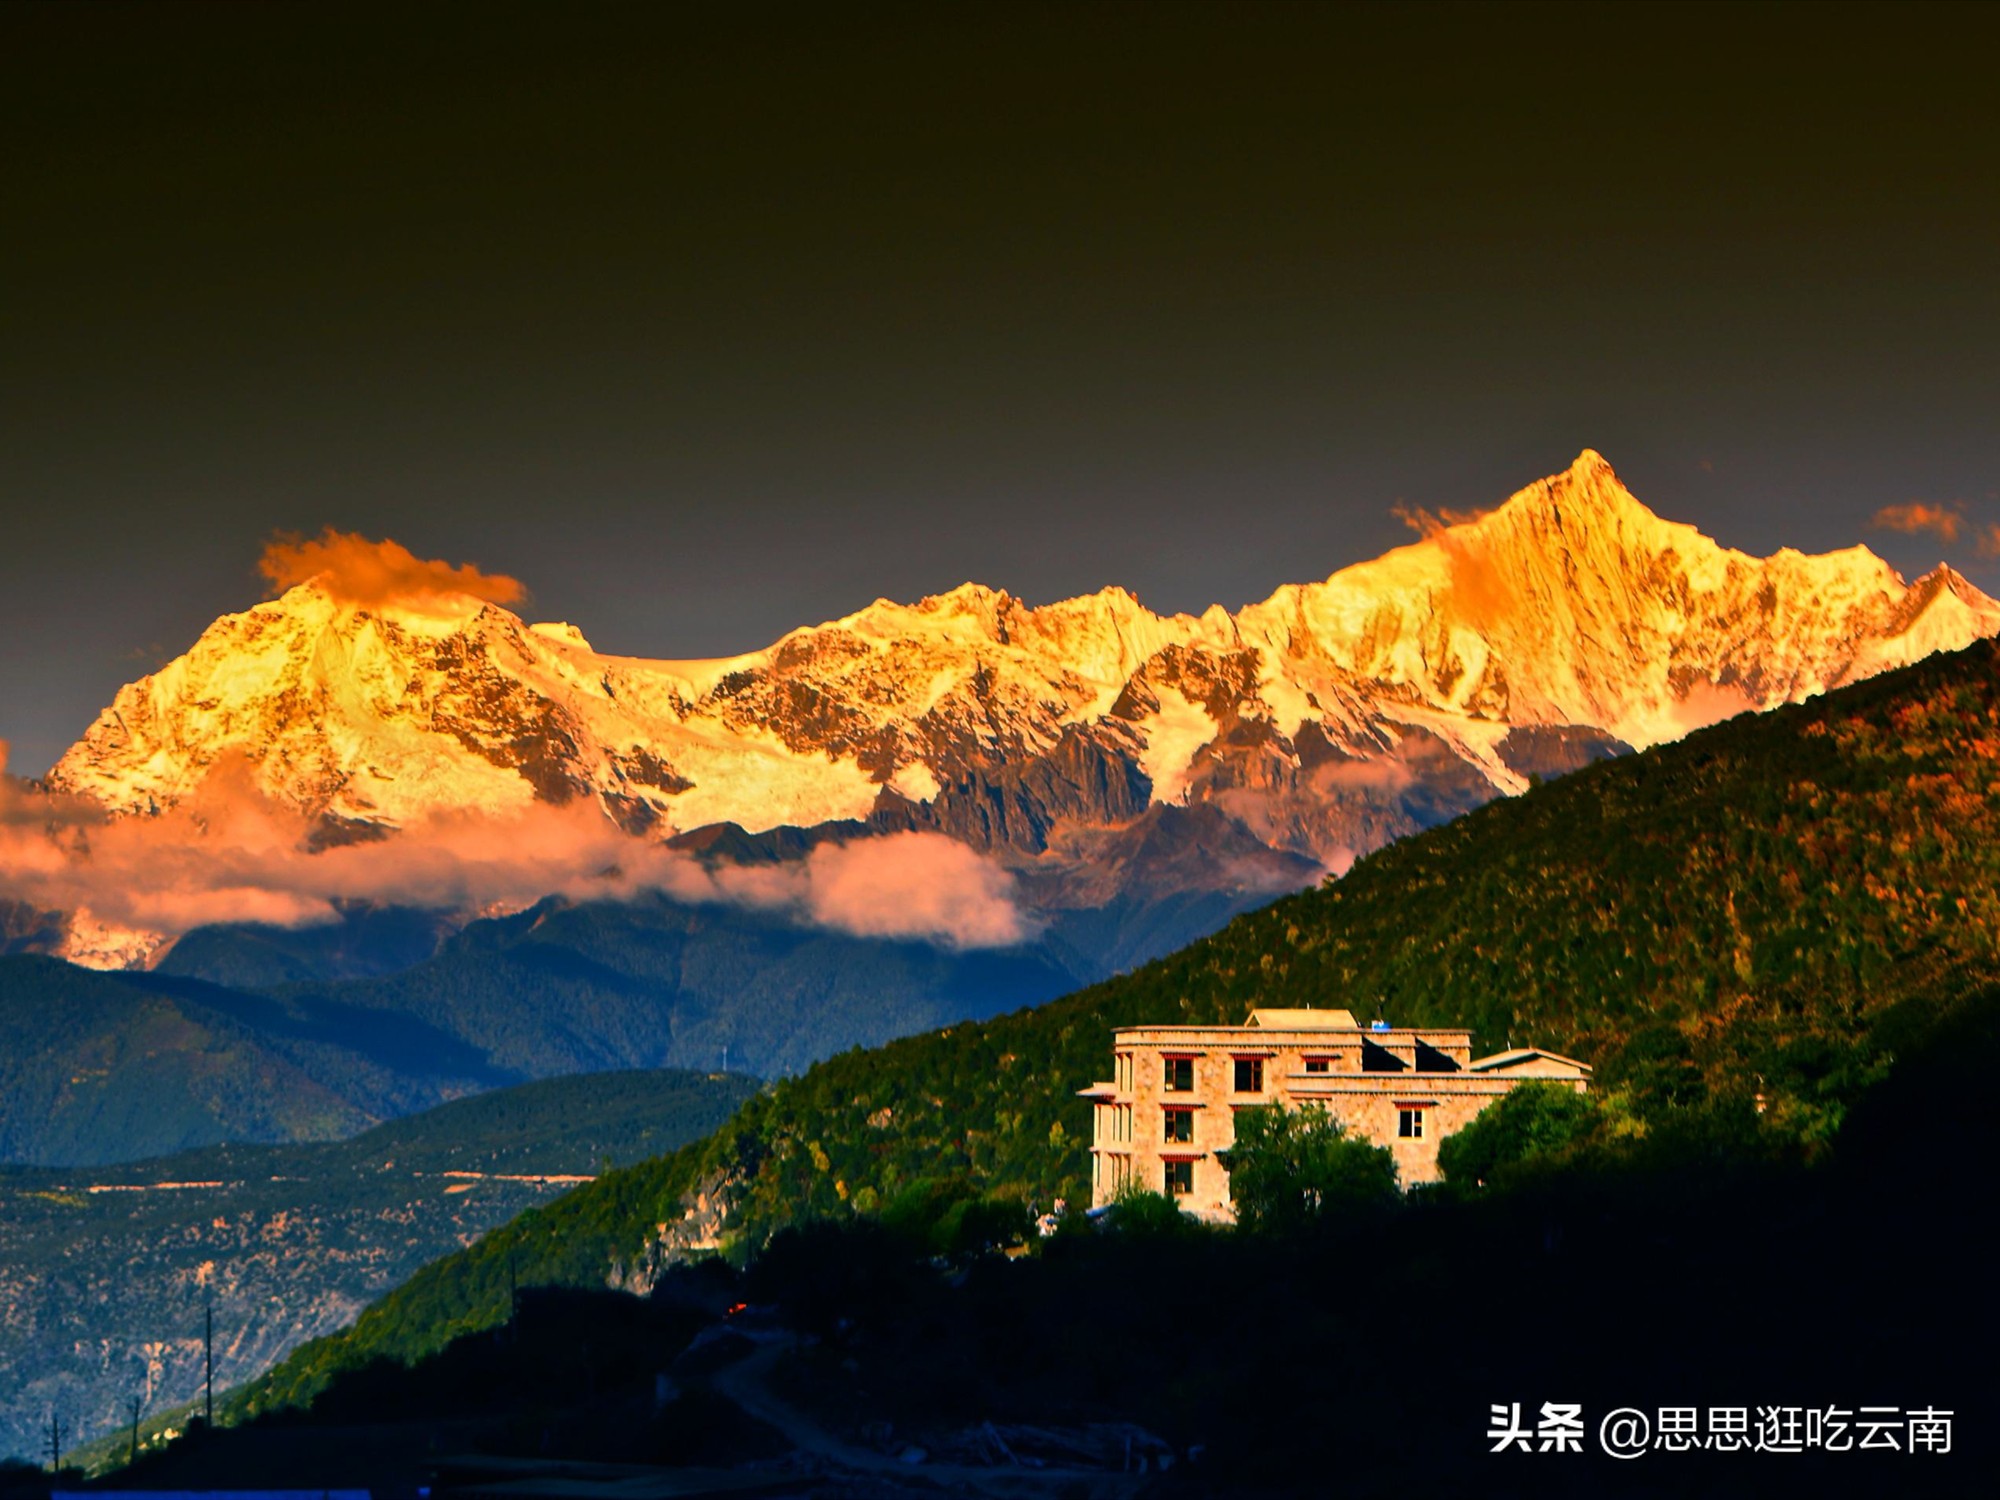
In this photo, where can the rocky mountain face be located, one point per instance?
(1566, 625)
(104, 1270)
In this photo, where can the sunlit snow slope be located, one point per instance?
(1324, 720)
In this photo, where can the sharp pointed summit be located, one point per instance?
(1570, 622)
(1589, 477)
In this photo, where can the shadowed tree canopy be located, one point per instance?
(1535, 1119)
(1293, 1168)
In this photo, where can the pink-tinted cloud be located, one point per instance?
(1989, 540)
(1921, 517)
(372, 574)
(228, 855)
(1427, 522)
(913, 885)
(1386, 776)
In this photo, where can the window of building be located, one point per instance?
(1410, 1124)
(1319, 1065)
(1180, 1178)
(1249, 1075)
(1124, 1073)
(1179, 1075)
(1178, 1124)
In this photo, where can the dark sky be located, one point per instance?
(711, 321)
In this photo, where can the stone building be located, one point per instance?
(1172, 1103)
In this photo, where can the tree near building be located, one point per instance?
(1535, 1119)
(1290, 1169)
(1141, 1213)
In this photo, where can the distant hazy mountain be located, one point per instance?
(115, 1067)
(98, 1067)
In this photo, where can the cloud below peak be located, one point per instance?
(372, 574)
(913, 885)
(230, 855)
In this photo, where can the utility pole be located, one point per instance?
(208, 1359)
(57, 1433)
(133, 1404)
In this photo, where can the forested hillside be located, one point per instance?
(652, 982)
(1776, 905)
(100, 1067)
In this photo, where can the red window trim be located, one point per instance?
(1183, 1155)
(1416, 1104)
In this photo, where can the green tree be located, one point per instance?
(1290, 1169)
(974, 1226)
(920, 1209)
(1535, 1119)
(1139, 1211)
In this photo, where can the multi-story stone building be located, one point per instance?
(1172, 1105)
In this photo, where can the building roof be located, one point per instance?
(1303, 1020)
(1519, 1057)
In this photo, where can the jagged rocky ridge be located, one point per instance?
(1090, 744)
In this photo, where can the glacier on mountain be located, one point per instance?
(1571, 604)
(1568, 623)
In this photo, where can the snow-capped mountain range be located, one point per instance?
(1324, 720)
